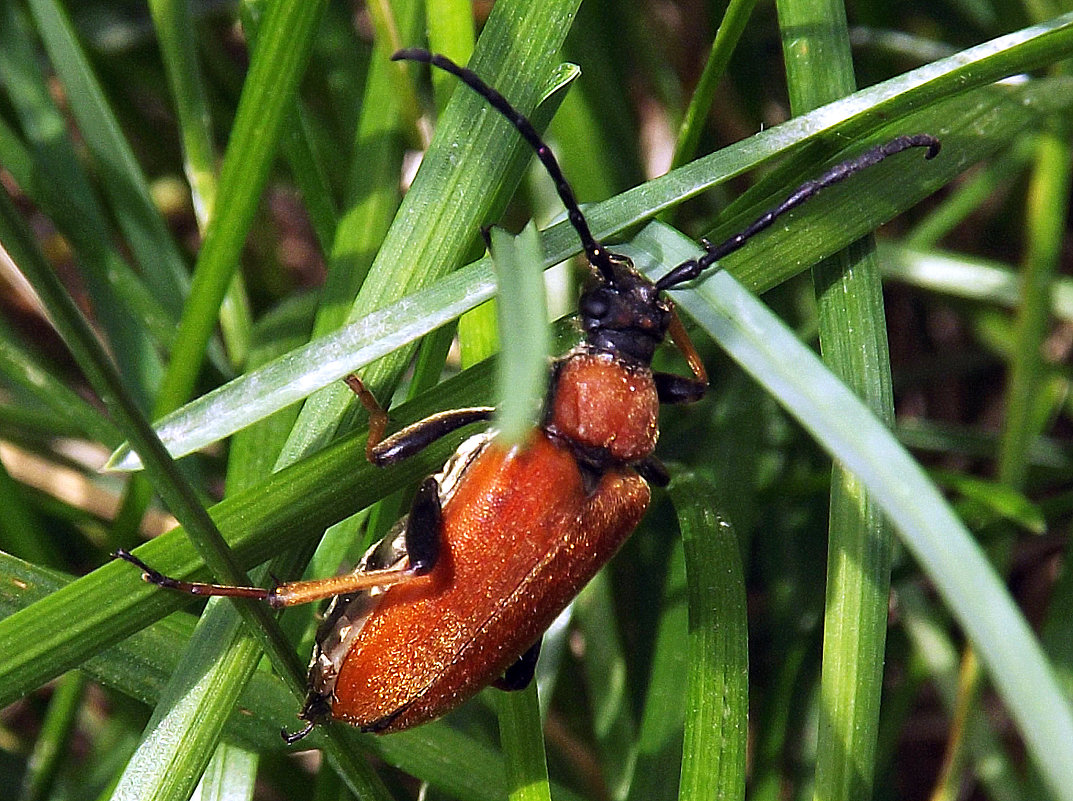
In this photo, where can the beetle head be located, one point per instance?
(623, 312)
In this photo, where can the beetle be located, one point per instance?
(457, 596)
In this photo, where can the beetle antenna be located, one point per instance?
(691, 269)
(597, 255)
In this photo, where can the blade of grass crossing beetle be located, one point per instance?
(523, 325)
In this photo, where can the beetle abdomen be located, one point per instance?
(521, 536)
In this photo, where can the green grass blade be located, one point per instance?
(700, 104)
(59, 727)
(123, 181)
(523, 743)
(716, 725)
(658, 769)
(523, 322)
(966, 277)
(374, 186)
(24, 367)
(56, 179)
(290, 378)
(938, 540)
(1047, 213)
(181, 736)
(231, 775)
(853, 342)
(175, 29)
(450, 31)
(605, 673)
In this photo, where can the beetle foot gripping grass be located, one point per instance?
(496, 544)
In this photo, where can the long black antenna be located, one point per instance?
(602, 259)
(691, 269)
(597, 255)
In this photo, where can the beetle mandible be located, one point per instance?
(426, 619)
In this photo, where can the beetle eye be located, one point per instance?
(594, 305)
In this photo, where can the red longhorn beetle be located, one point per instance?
(436, 611)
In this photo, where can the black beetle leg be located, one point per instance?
(653, 471)
(424, 528)
(519, 675)
(678, 389)
(414, 438)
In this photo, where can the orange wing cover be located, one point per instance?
(521, 537)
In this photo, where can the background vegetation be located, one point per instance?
(191, 192)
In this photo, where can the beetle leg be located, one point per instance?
(519, 675)
(383, 451)
(653, 471)
(679, 389)
(424, 528)
(680, 337)
(673, 388)
(290, 594)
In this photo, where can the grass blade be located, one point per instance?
(716, 726)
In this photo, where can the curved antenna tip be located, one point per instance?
(412, 54)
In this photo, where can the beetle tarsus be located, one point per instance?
(149, 575)
(290, 738)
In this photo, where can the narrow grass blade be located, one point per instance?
(298, 374)
(700, 104)
(524, 335)
(853, 344)
(231, 775)
(523, 743)
(189, 710)
(717, 716)
(373, 193)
